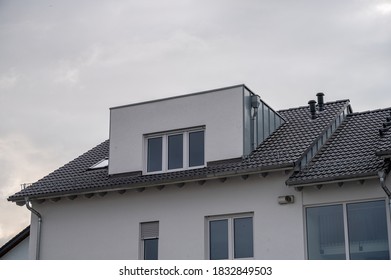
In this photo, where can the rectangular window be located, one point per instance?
(149, 237)
(196, 148)
(348, 231)
(367, 228)
(325, 233)
(230, 237)
(218, 234)
(175, 150)
(155, 148)
(243, 237)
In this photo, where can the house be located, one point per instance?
(221, 175)
(16, 248)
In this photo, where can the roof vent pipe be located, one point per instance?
(320, 96)
(312, 104)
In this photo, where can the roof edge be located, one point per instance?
(180, 96)
(210, 176)
(13, 242)
(332, 180)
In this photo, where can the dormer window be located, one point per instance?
(175, 150)
(100, 164)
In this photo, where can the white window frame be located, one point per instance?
(231, 237)
(345, 221)
(164, 135)
(142, 239)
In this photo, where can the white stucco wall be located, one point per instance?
(220, 111)
(348, 192)
(19, 252)
(108, 227)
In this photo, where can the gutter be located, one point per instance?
(382, 178)
(36, 213)
(116, 186)
(331, 180)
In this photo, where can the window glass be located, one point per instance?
(218, 238)
(151, 249)
(154, 154)
(368, 237)
(175, 151)
(325, 233)
(243, 237)
(196, 148)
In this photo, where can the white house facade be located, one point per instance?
(221, 175)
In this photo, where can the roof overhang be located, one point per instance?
(20, 200)
(331, 180)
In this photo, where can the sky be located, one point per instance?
(63, 64)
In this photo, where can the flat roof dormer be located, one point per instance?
(186, 131)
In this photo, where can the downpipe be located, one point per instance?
(36, 213)
(254, 123)
(382, 177)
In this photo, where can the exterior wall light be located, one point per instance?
(286, 199)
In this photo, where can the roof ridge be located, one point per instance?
(306, 106)
(370, 111)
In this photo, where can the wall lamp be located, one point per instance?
(286, 199)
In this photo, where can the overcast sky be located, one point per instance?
(63, 64)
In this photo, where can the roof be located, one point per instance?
(281, 150)
(351, 152)
(384, 144)
(14, 241)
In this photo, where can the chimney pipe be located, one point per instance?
(320, 100)
(312, 104)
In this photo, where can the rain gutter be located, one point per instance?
(36, 213)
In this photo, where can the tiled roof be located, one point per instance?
(384, 144)
(295, 136)
(282, 149)
(350, 152)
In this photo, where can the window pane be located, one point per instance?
(218, 238)
(368, 237)
(150, 249)
(175, 151)
(325, 233)
(196, 148)
(154, 154)
(243, 237)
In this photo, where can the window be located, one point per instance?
(155, 147)
(230, 237)
(348, 231)
(100, 164)
(175, 150)
(196, 148)
(149, 235)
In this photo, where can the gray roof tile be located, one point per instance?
(282, 149)
(349, 153)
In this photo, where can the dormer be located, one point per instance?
(188, 131)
